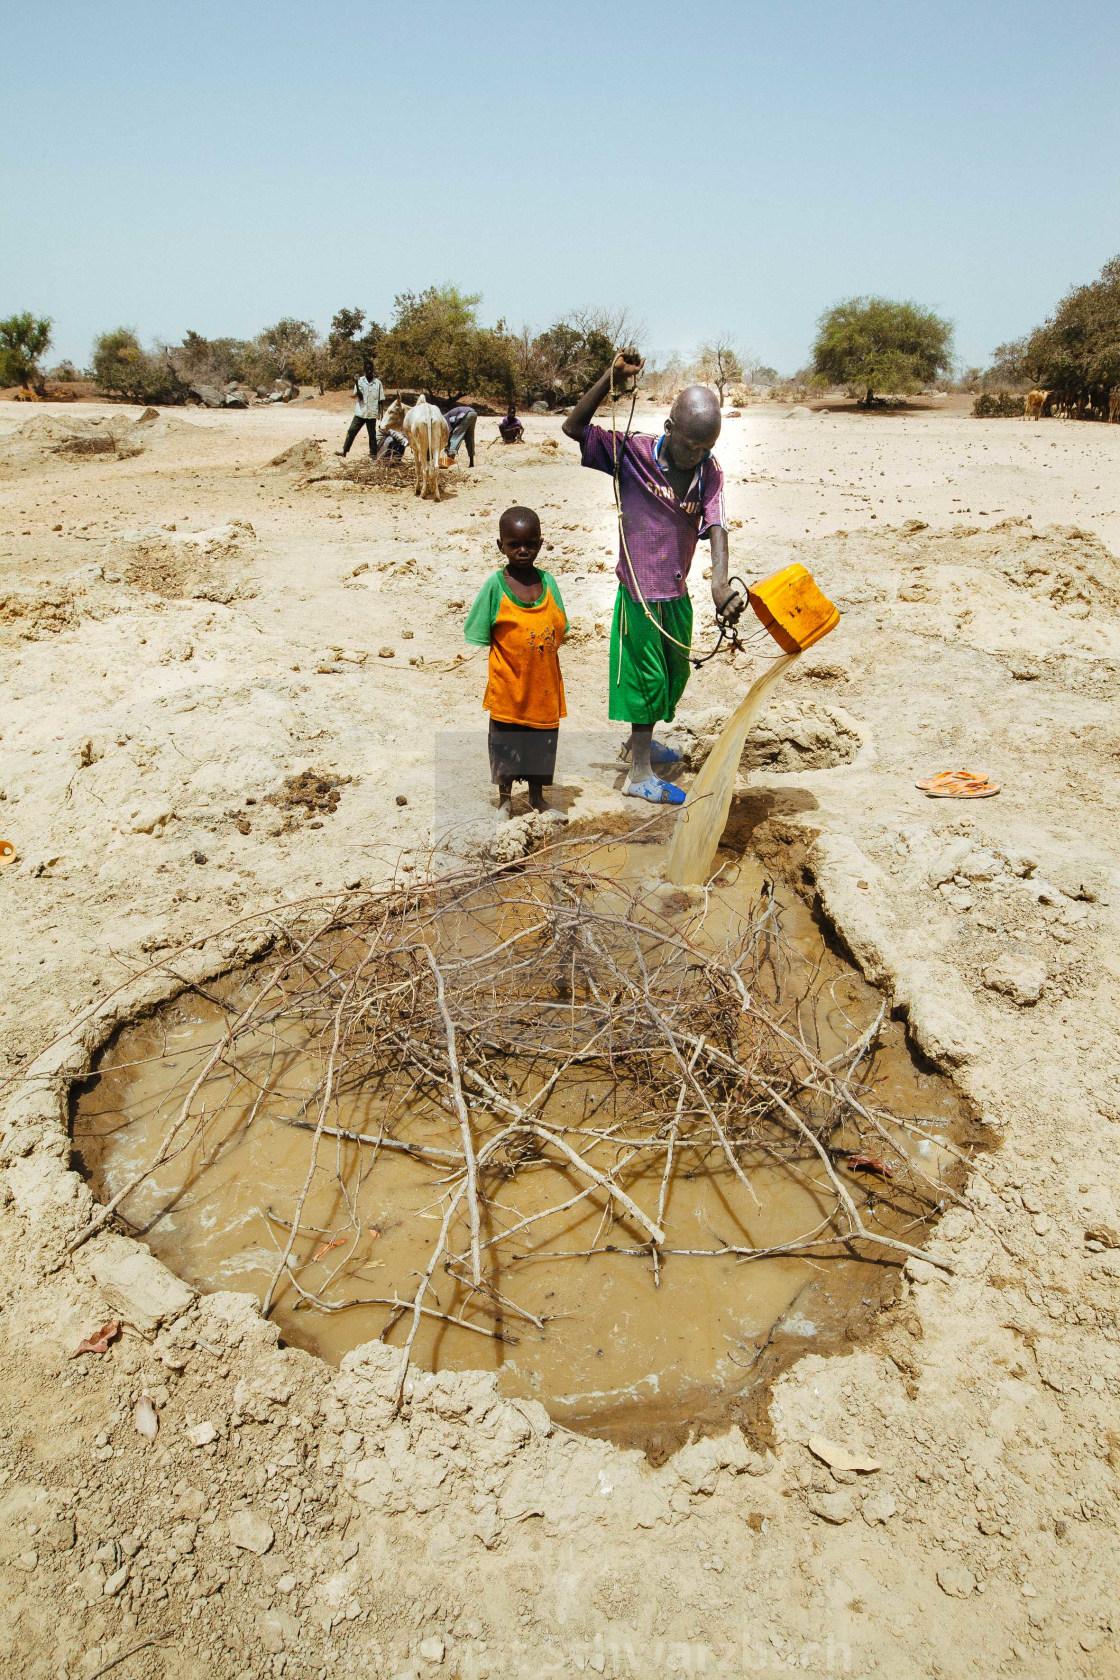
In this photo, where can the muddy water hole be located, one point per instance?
(634, 1147)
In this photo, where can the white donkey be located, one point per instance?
(428, 437)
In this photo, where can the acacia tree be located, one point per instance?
(873, 344)
(207, 361)
(348, 346)
(436, 343)
(719, 363)
(560, 362)
(24, 340)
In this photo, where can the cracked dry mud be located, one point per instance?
(160, 685)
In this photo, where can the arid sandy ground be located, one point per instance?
(156, 689)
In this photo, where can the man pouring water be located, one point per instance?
(670, 491)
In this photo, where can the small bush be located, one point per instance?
(207, 361)
(123, 368)
(997, 405)
(23, 340)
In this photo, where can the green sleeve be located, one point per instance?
(481, 617)
(557, 597)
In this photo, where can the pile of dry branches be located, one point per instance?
(549, 1016)
(380, 472)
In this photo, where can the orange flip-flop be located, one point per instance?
(950, 776)
(958, 784)
(973, 790)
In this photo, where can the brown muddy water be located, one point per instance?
(624, 1347)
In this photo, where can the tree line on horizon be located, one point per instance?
(871, 346)
(435, 342)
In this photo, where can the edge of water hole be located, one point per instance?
(826, 869)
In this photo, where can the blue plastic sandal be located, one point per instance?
(655, 791)
(659, 753)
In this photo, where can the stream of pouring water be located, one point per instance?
(703, 816)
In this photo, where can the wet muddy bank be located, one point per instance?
(620, 1337)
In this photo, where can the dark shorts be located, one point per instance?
(520, 753)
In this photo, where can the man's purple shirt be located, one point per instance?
(662, 528)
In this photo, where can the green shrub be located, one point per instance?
(997, 405)
(123, 368)
(23, 340)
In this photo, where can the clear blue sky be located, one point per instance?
(184, 163)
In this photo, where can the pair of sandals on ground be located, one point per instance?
(950, 784)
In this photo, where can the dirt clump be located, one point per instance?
(75, 435)
(314, 792)
(36, 609)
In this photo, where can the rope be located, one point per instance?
(727, 631)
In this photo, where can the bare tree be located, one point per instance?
(718, 362)
(665, 375)
(622, 328)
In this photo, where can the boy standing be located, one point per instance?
(369, 396)
(519, 615)
(671, 492)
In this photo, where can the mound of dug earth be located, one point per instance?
(178, 564)
(304, 456)
(791, 735)
(1062, 564)
(73, 436)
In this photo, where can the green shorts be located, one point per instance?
(648, 672)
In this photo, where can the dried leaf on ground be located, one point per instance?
(99, 1341)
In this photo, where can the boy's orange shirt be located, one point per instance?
(525, 683)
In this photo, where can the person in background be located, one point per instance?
(460, 423)
(671, 493)
(369, 396)
(519, 615)
(510, 430)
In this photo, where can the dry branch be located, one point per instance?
(541, 1018)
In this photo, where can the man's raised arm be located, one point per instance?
(575, 426)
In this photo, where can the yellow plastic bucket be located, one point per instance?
(793, 609)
